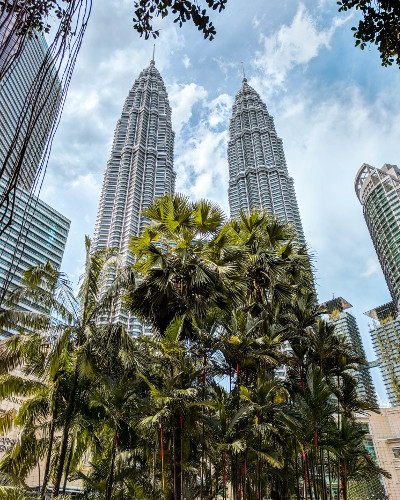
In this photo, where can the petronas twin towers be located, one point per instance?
(258, 175)
(141, 167)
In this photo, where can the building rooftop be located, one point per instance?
(384, 313)
(336, 304)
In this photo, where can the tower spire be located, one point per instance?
(152, 62)
(244, 79)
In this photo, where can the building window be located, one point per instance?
(396, 452)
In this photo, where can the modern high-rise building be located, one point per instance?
(41, 239)
(37, 233)
(258, 175)
(8, 42)
(345, 324)
(140, 168)
(385, 334)
(379, 193)
(25, 123)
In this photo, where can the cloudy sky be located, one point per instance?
(334, 107)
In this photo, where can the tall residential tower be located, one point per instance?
(140, 168)
(31, 232)
(258, 175)
(385, 335)
(379, 193)
(346, 325)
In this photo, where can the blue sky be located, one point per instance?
(334, 107)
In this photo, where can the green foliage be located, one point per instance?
(35, 15)
(197, 406)
(183, 11)
(380, 25)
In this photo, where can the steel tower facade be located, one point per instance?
(258, 175)
(378, 191)
(140, 168)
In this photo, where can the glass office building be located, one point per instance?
(140, 168)
(20, 116)
(40, 239)
(385, 335)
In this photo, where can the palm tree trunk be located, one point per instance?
(67, 468)
(323, 481)
(313, 465)
(344, 481)
(308, 476)
(162, 460)
(154, 471)
(305, 473)
(297, 472)
(177, 457)
(224, 473)
(48, 459)
(111, 475)
(329, 476)
(64, 440)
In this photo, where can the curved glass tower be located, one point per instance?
(258, 175)
(379, 193)
(140, 168)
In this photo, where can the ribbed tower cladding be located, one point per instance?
(258, 175)
(140, 168)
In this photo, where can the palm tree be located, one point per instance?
(276, 268)
(176, 405)
(186, 262)
(64, 331)
(156, 417)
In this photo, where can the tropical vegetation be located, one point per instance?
(239, 390)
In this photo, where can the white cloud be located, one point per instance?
(326, 140)
(201, 165)
(372, 267)
(220, 110)
(182, 99)
(186, 61)
(87, 185)
(290, 46)
(81, 103)
(226, 67)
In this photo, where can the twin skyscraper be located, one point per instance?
(140, 167)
